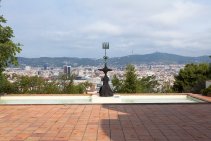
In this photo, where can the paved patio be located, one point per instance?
(177, 122)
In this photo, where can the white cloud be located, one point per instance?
(179, 12)
(145, 26)
(102, 28)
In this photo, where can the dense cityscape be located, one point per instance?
(164, 73)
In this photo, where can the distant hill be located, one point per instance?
(154, 58)
(158, 58)
(57, 61)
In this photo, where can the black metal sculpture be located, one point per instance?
(105, 90)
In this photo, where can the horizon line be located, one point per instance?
(114, 56)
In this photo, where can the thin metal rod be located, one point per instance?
(105, 52)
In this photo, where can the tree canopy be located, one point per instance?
(132, 84)
(131, 80)
(39, 85)
(192, 78)
(8, 49)
(209, 75)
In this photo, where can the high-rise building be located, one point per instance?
(45, 66)
(67, 69)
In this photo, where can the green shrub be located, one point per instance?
(5, 85)
(207, 91)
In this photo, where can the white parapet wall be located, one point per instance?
(208, 83)
(112, 99)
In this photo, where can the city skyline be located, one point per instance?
(77, 29)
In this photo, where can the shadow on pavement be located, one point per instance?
(155, 122)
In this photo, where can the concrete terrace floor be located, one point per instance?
(147, 122)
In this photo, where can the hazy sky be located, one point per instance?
(77, 28)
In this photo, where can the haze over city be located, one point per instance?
(76, 28)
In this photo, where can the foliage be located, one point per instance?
(38, 85)
(8, 48)
(30, 85)
(192, 78)
(116, 83)
(50, 88)
(68, 85)
(147, 84)
(70, 88)
(209, 71)
(131, 80)
(166, 88)
(86, 85)
(5, 85)
(209, 75)
(132, 84)
(207, 91)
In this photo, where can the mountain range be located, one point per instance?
(154, 58)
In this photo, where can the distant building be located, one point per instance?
(79, 80)
(27, 68)
(45, 66)
(39, 73)
(67, 69)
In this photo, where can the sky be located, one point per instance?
(77, 28)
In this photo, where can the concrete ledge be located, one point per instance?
(201, 97)
(113, 99)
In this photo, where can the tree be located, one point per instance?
(117, 84)
(8, 49)
(28, 85)
(132, 84)
(86, 85)
(131, 79)
(5, 85)
(166, 88)
(209, 75)
(207, 91)
(147, 84)
(192, 78)
(50, 88)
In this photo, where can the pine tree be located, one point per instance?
(117, 84)
(192, 78)
(131, 79)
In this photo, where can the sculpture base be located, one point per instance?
(105, 91)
